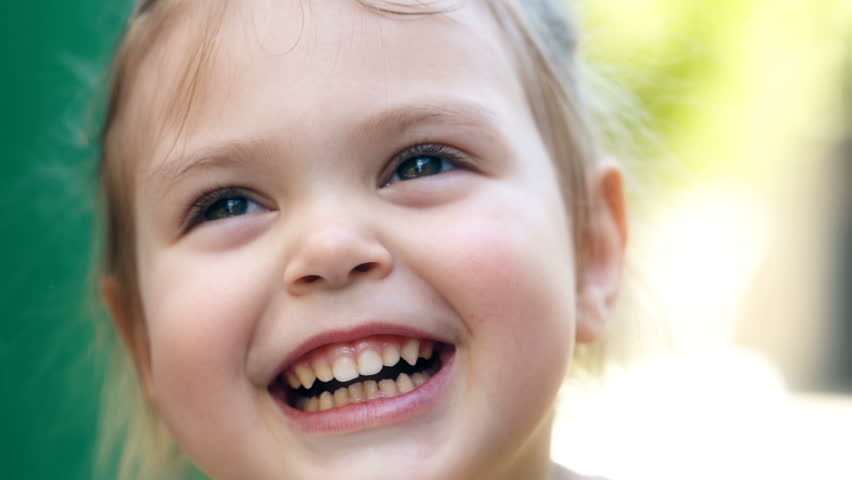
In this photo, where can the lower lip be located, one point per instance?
(379, 412)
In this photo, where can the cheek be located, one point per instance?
(508, 271)
(201, 310)
(514, 291)
(512, 269)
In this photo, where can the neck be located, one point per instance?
(532, 460)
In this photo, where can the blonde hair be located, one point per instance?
(542, 36)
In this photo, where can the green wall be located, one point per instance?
(54, 53)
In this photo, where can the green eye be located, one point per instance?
(222, 204)
(227, 207)
(424, 161)
(420, 167)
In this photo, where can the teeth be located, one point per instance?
(326, 401)
(306, 375)
(323, 369)
(391, 355)
(410, 351)
(341, 397)
(388, 387)
(371, 389)
(404, 384)
(346, 361)
(369, 362)
(426, 349)
(356, 392)
(364, 391)
(292, 380)
(345, 369)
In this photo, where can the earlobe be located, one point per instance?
(130, 328)
(603, 261)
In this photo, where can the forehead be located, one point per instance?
(298, 69)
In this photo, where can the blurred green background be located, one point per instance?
(749, 104)
(54, 52)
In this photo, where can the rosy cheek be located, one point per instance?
(510, 276)
(513, 288)
(509, 261)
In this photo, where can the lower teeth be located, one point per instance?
(365, 391)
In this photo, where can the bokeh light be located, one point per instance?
(740, 193)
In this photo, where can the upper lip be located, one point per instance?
(351, 334)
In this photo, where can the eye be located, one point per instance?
(423, 161)
(222, 204)
(230, 207)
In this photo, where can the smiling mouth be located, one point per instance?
(370, 369)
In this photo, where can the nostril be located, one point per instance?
(364, 267)
(333, 280)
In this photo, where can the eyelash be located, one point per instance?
(195, 215)
(197, 210)
(444, 152)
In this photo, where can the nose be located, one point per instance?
(334, 256)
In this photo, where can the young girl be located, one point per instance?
(351, 238)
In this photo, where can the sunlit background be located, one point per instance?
(742, 248)
(738, 297)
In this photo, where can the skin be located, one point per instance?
(481, 254)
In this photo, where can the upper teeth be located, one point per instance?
(369, 362)
(365, 357)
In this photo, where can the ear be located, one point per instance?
(606, 240)
(131, 328)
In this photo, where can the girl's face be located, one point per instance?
(349, 184)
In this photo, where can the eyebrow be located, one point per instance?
(394, 121)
